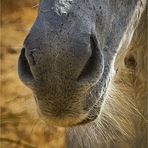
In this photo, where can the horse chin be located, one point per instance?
(68, 120)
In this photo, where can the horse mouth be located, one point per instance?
(86, 121)
(73, 123)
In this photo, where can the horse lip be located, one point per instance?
(85, 121)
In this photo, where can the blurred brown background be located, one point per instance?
(20, 126)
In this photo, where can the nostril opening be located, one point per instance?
(24, 70)
(31, 57)
(94, 66)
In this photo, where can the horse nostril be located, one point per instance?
(24, 70)
(94, 67)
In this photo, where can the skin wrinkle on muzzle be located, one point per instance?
(69, 53)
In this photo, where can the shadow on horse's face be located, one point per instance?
(67, 57)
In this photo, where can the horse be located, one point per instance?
(85, 62)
